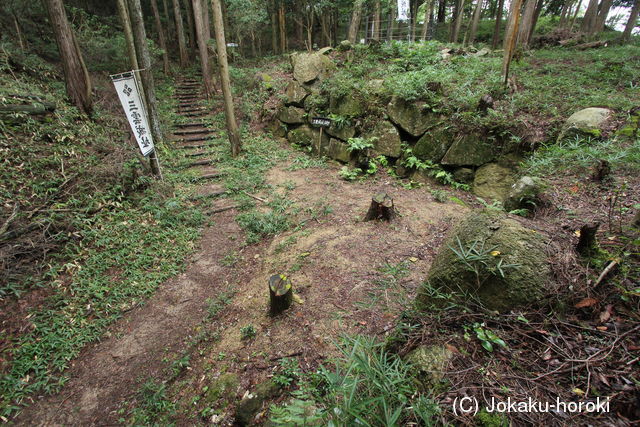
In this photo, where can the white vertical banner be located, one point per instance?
(127, 88)
(403, 10)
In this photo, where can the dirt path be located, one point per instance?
(109, 372)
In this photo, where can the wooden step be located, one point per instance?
(195, 139)
(197, 154)
(203, 162)
(192, 132)
(188, 125)
(193, 146)
(195, 114)
(191, 110)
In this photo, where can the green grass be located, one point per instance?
(152, 406)
(581, 154)
(365, 386)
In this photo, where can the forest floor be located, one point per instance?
(204, 340)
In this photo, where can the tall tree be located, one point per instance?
(356, 17)
(526, 23)
(476, 19)
(198, 17)
(498, 24)
(511, 37)
(428, 5)
(392, 20)
(589, 19)
(161, 38)
(191, 26)
(182, 41)
(603, 13)
(377, 20)
(170, 23)
(128, 34)
(442, 11)
(144, 61)
(632, 22)
(457, 22)
(76, 76)
(221, 45)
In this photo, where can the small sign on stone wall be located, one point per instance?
(321, 122)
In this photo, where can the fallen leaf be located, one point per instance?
(578, 391)
(452, 348)
(363, 323)
(413, 259)
(495, 253)
(577, 233)
(297, 299)
(574, 189)
(606, 314)
(601, 328)
(587, 302)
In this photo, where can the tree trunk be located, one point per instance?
(526, 23)
(282, 24)
(413, 10)
(274, 27)
(588, 244)
(631, 23)
(144, 61)
(128, 34)
(198, 17)
(381, 207)
(192, 27)
(575, 15)
(392, 21)
(536, 15)
(171, 34)
(161, 38)
(232, 127)
(510, 37)
(280, 293)
(475, 21)
(603, 13)
(589, 20)
(457, 22)
(496, 29)
(16, 24)
(425, 26)
(76, 75)
(442, 11)
(182, 42)
(356, 17)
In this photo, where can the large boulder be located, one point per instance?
(433, 145)
(587, 123)
(347, 106)
(295, 94)
(387, 142)
(342, 132)
(507, 267)
(469, 150)
(414, 117)
(308, 67)
(306, 136)
(291, 115)
(338, 150)
(524, 194)
(493, 182)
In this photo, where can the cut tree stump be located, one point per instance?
(601, 170)
(381, 208)
(588, 244)
(280, 294)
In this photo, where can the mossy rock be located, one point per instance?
(387, 142)
(291, 115)
(224, 387)
(493, 181)
(504, 240)
(345, 45)
(588, 122)
(338, 150)
(631, 129)
(308, 67)
(470, 149)
(303, 135)
(342, 132)
(250, 405)
(348, 106)
(464, 175)
(413, 117)
(430, 363)
(524, 194)
(295, 94)
(433, 145)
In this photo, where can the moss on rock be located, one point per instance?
(526, 275)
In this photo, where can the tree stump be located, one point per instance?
(381, 208)
(588, 244)
(280, 294)
(601, 171)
